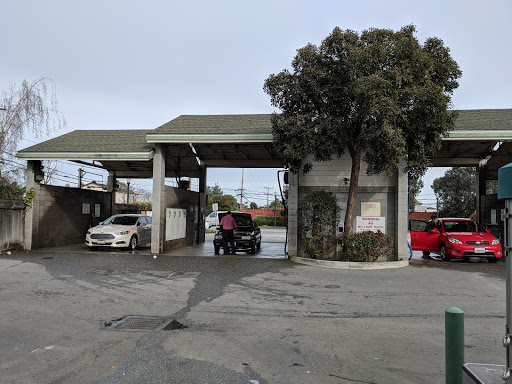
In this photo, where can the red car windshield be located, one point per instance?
(462, 226)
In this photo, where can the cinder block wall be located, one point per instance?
(59, 218)
(334, 177)
(188, 200)
(11, 224)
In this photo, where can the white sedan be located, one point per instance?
(120, 231)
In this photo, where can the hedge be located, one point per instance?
(269, 220)
(365, 246)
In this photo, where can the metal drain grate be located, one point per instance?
(142, 323)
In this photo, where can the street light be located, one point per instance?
(128, 181)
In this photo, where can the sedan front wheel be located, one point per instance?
(133, 243)
(442, 253)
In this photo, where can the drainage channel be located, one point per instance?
(143, 324)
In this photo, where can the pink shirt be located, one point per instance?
(228, 222)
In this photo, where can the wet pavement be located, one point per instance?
(248, 319)
(272, 247)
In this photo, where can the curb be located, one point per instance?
(350, 264)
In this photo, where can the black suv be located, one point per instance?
(247, 236)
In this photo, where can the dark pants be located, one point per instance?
(228, 237)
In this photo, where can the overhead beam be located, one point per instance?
(270, 163)
(455, 162)
(134, 174)
(90, 164)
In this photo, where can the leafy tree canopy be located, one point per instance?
(226, 203)
(214, 191)
(457, 192)
(253, 205)
(380, 95)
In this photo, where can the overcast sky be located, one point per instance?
(136, 65)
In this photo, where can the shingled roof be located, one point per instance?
(214, 128)
(217, 124)
(482, 124)
(88, 144)
(484, 119)
(478, 124)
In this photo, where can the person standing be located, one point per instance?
(228, 225)
(433, 223)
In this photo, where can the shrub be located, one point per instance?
(269, 220)
(317, 217)
(365, 246)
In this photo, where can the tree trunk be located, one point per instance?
(352, 191)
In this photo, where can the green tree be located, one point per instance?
(416, 184)
(253, 205)
(381, 96)
(457, 192)
(214, 191)
(226, 203)
(272, 204)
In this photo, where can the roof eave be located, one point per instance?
(497, 135)
(111, 156)
(235, 138)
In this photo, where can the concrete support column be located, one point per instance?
(159, 200)
(402, 212)
(481, 173)
(32, 213)
(293, 203)
(202, 204)
(111, 188)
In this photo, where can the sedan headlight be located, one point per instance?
(121, 233)
(453, 240)
(495, 242)
(88, 233)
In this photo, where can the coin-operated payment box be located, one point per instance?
(490, 373)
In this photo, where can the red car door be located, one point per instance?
(421, 240)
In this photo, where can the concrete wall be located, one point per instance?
(167, 197)
(11, 224)
(188, 200)
(57, 216)
(389, 191)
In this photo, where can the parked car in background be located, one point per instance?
(247, 236)
(120, 231)
(212, 220)
(457, 238)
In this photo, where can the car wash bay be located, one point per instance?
(188, 145)
(183, 148)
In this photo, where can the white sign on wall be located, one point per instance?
(175, 223)
(370, 223)
(370, 208)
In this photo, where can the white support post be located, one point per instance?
(158, 226)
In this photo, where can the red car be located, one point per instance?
(461, 238)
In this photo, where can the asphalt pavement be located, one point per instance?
(247, 319)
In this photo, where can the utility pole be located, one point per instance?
(268, 193)
(242, 191)
(80, 170)
(275, 210)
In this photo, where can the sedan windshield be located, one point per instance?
(462, 226)
(121, 220)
